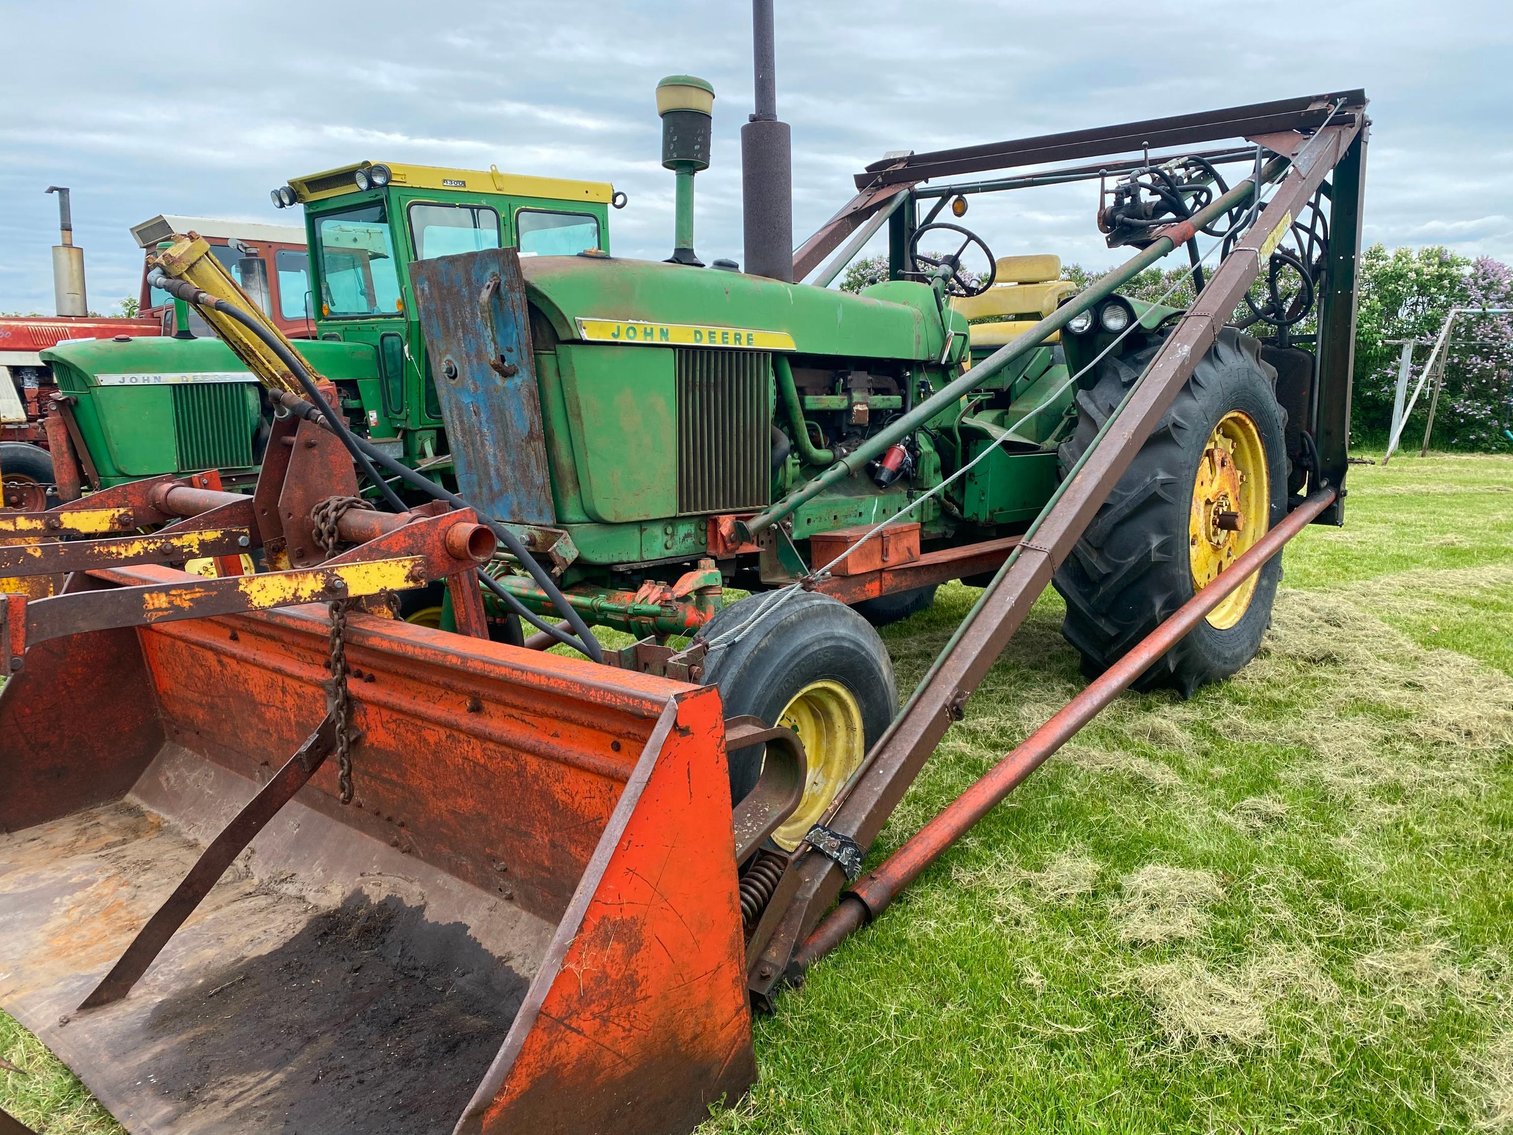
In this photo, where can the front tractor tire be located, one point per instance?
(1209, 483)
(808, 662)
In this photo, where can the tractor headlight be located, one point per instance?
(283, 197)
(1081, 323)
(1115, 317)
(380, 175)
(363, 181)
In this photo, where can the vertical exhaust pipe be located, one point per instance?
(766, 163)
(68, 262)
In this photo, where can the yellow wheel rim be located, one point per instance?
(1230, 510)
(426, 617)
(828, 720)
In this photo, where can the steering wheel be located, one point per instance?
(958, 284)
(1281, 306)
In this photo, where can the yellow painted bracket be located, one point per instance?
(70, 522)
(199, 598)
(189, 258)
(48, 557)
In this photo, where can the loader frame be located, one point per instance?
(1315, 137)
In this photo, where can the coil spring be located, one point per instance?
(758, 882)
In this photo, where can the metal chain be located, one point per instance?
(326, 515)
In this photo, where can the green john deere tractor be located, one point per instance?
(142, 407)
(650, 433)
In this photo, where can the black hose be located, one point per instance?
(364, 453)
(187, 292)
(296, 405)
(584, 641)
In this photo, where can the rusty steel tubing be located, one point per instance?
(465, 541)
(875, 890)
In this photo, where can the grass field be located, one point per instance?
(1284, 905)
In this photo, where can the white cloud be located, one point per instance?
(202, 109)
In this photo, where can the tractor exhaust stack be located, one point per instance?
(68, 262)
(767, 163)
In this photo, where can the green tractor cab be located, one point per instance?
(142, 407)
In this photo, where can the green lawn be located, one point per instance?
(1284, 905)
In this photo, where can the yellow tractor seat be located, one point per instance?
(1026, 290)
(1026, 286)
(998, 333)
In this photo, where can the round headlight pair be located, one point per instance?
(1113, 316)
(283, 197)
(373, 177)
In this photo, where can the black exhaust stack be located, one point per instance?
(767, 163)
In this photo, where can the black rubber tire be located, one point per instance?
(887, 609)
(20, 459)
(805, 637)
(1131, 568)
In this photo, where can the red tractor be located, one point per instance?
(269, 261)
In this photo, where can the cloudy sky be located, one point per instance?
(200, 109)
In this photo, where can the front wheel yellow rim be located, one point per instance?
(426, 617)
(1230, 509)
(828, 720)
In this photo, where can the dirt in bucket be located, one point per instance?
(370, 1019)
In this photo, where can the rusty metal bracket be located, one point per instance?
(779, 788)
(649, 657)
(52, 557)
(408, 556)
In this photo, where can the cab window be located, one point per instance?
(357, 272)
(545, 233)
(445, 230)
(293, 283)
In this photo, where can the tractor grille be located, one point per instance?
(213, 422)
(724, 430)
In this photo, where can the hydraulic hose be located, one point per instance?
(365, 454)
(297, 405)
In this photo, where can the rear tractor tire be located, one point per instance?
(1209, 483)
(808, 662)
(886, 609)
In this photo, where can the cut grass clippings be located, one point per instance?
(1282, 905)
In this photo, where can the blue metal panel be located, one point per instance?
(473, 313)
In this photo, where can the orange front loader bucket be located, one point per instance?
(526, 921)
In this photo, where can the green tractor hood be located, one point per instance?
(600, 298)
(152, 405)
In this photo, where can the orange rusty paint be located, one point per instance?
(929, 568)
(723, 537)
(868, 551)
(639, 1014)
